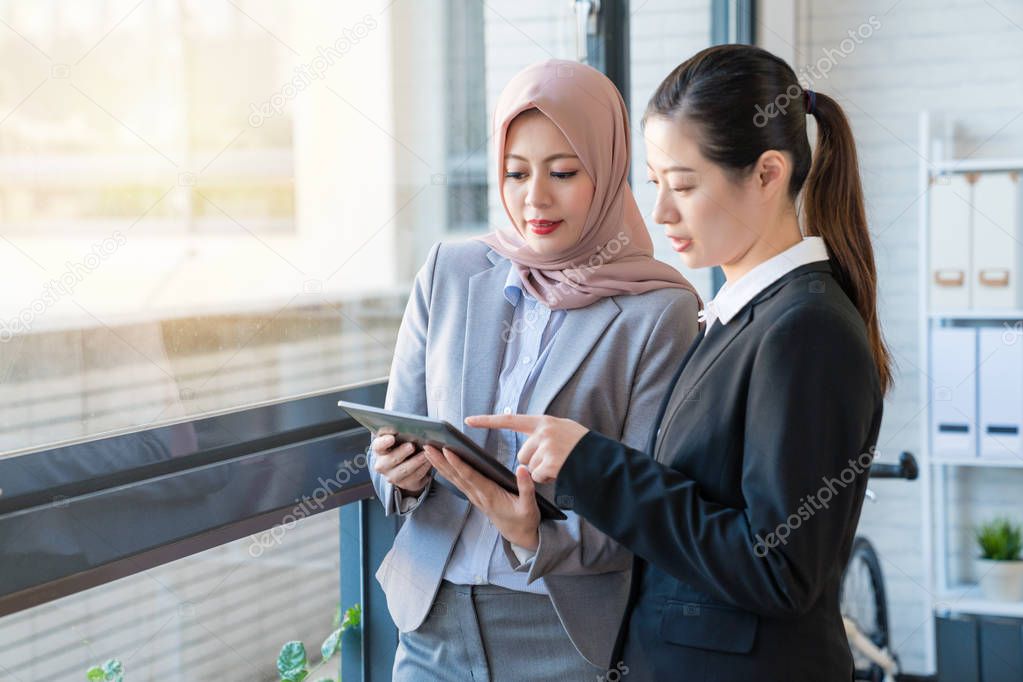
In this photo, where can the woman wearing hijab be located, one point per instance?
(563, 311)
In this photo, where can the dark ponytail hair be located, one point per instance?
(744, 101)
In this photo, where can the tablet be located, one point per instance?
(411, 428)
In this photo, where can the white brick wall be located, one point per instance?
(962, 58)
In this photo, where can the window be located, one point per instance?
(196, 206)
(663, 35)
(222, 614)
(206, 209)
(469, 126)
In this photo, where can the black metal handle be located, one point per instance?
(906, 468)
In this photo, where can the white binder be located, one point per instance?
(950, 239)
(996, 246)
(953, 392)
(1000, 379)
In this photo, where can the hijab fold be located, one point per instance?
(614, 254)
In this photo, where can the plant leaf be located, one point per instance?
(95, 674)
(331, 645)
(291, 660)
(113, 671)
(353, 618)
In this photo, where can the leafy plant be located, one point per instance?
(111, 671)
(292, 662)
(1000, 540)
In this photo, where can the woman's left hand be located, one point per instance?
(551, 440)
(516, 517)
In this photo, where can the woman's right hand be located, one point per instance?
(403, 466)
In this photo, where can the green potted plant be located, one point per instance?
(999, 567)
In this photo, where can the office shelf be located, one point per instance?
(976, 165)
(967, 598)
(1008, 463)
(937, 472)
(977, 315)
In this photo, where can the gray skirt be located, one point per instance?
(487, 633)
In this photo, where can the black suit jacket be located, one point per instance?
(742, 512)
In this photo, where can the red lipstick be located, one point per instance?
(542, 227)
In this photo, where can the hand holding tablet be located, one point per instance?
(404, 465)
(420, 431)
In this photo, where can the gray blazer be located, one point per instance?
(609, 367)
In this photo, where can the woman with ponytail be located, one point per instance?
(742, 508)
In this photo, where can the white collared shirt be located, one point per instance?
(733, 296)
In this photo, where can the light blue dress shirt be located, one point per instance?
(478, 557)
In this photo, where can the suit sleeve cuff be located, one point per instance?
(525, 560)
(522, 554)
(522, 560)
(406, 504)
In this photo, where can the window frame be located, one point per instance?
(310, 434)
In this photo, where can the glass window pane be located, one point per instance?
(664, 33)
(205, 207)
(222, 614)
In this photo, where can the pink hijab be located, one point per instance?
(614, 254)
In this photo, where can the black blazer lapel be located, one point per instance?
(671, 386)
(719, 336)
(717, 340)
